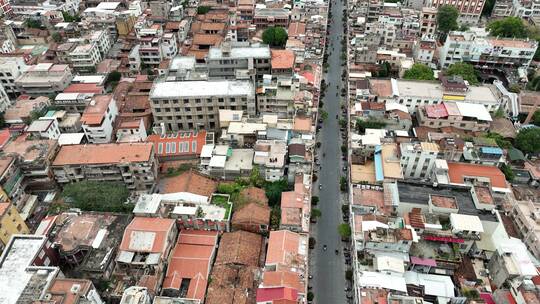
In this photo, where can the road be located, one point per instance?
(327, 268)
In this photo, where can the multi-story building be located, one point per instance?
(232, 61)
(44, 79)
(502, 8)
(270, 156)
(511, 264)
(424, 49)
(73, 102)
(11, 67)
(134, 164)
(45, 127)
(526, 216)
(469, 11)
(265, 17)
(418, 159)
(477, 48)
(169, 46)
(460, 115)
(276, 96)
(85, 57)
(103, 40)
(98, 119)
(181, 105)
(11, 222)
(428, 21)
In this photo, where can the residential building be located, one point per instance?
(266, 17)
(144, 251)
(277, 96)
(469, 11)
(45, 127)
(476, 47)
(526, 216)
(236, 269)
(98, 119)
(511, 264)
(86, 242)
(418, 159)
(85, 57)
(72, 291)
(253, 217)
(11, 67)
(296, 205)
(131, 131)
(189, 105)
(44, 79)
(134, 164)
(73, 102)
(11, 222)
(189, 265)
(460, 115)
(424, 49)
(26, 269)
(238, 60)
(270, 157)
(428, 21)
(181, 145)
(5, 102)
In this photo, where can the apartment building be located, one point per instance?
(424, 49)
(98, 119)
(266, 17)
(73, 102)
(44, 79)
(270, 156)
(502, 8)
(85, 57)
(45, 127)
(526, 216)
(460, 115)
(134, 164)
(428, 21)
(469, 11)
(418, 159)
(276, 96)
(11, 67)
(234, 61)
(188, 105)
(5, 102)
(476, 47)
(11, 222)
(103, 40)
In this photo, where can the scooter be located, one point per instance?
(324, 247)
(337, 252)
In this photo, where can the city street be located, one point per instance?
(327, 268)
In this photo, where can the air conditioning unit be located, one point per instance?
(75, 288)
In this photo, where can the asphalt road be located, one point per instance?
(327, 268)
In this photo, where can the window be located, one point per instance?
(167, 148)
(193, 146)
(160, 148)
(173, 148)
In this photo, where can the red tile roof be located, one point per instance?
(280, 293)
(283, 278)
(84, 88)
(458, 171)
(96, 111)
(5, 135)
(282, 59)
(157, 228)
(283, 248)
(191, 182)
(103, 154)
(191, 259)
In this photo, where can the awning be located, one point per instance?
(444, 239)
(423, 262)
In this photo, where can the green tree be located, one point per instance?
(344, 231)
(315, 213)
(310, 296)
(273, 191)
(56, 37)
(419, 72)
(370, 123)
(528, 140)
(343, 183)
(384, 70)
(98, 196)
(275, 36)
(488, 8)
(275, 218)
(447, 16)
(536, 118)
(508, 172)
(32, 23)
(314, 200)
(499, 139)
(114, 76)
(71, 18)
(464, 70)
(324, 115)
(201, 10)
(508, 27)
(349, 275)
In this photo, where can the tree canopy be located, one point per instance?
(344, 230)
(419, 71)
(536, 118)
(528, 140)
(510, 27)
(464, 70)
(275, 36)
(98, 196)
(447, 16)
(488, 7)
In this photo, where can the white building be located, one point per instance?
(44, 79)
(169, 46)
(5, 102)
(45, 127)
(103, 40)
(418, 159)
(10, 69)
(476, 47)
(85, 57)
(98, 119)
(270, 156)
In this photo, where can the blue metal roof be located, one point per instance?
(379, 174)
(491, 150)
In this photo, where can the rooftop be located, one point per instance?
(97, 109)
(190, 181)
(286, 249)
(187, 89)
(147, 234)
(103, 154)
(282, 59)
(257, 52)
(459, 173)
(240, 248)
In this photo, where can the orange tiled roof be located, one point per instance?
(160, 227)
(282, 278)
(239, 247)
(103, 154)
(94, 113)
(282, 59)
(283, 248)
(252, 213)
(190, 181)
(457, 172)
